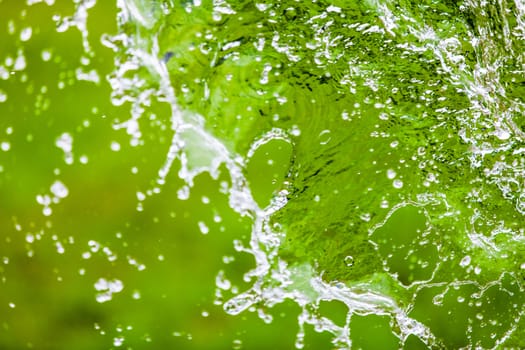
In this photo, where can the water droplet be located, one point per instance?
(59, 189)
(465, 261)
(107, 288)
(349, 261)
(333, 8)
(295, 131)
(118, 341)
(391, 174)
(237, 344)
(65, 143)
(438, 300)
(60, 248)
(5, 146)
(46, 55)
(25, 34)
(183, 193)
(397, 184)
(324, 137)
(115, 146)
(203, 228)
(366, 217)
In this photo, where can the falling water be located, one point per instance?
(375, 148)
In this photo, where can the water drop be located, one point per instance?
(333, 8)
(46, 55)
(5, 146)
(203, 228)
(237, 344)
(115, 146)
(25, 34)
(397, 184)
(183, 193)
(349, 261)
(118, 341)
(438, 300)
(65, 143)
(324, 137)
(295, 131)
(465, 261)
(60, 248)
(391, 174)
(59, 189)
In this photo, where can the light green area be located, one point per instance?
(400, 142)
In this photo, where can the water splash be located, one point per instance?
(438, 83)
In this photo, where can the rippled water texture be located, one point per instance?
(376, 148)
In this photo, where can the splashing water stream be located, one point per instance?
(399, 189)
